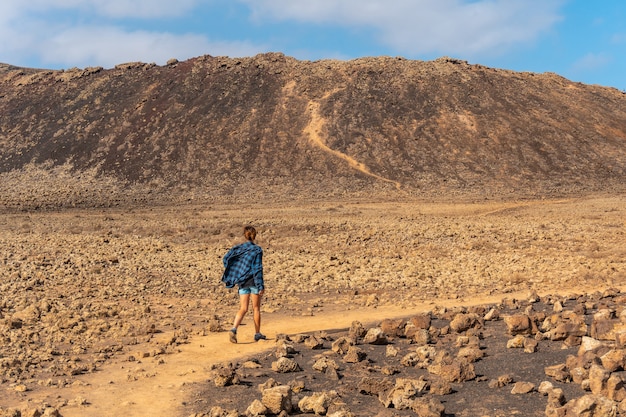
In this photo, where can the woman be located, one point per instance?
(243, 266)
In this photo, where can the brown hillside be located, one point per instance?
(272, 126)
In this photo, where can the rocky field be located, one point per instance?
(87, 293)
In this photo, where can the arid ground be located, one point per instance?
(109, 312)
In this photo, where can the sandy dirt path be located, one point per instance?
(156, 386)
(159, 389)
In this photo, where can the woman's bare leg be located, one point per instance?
(244, 300)
(256, 311)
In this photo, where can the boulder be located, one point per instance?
(314, 342)
(523, 388)
(224, 375)
(278, 399)
(559, 372)
(421, 321)
(391, 351)
(355, 355)
(501, 381)
(357, 330)
(518, 324)
(342, 344)
(375, 336)
(256, 409)
(470, 353)
(493, 314)
(403, 393)
(428, 407)
(457, 371)
(586, 406)
(317, 403)
(393, 327)
(284, 349)
(516, 343)
(464, 321)
(598, 377)
(324, 363)
(374, 386)
(285, 365)
(421, 337)
(439, 386)
(613, 360)
(615, 388)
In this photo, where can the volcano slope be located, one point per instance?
(272, 127)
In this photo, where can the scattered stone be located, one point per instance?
(313, 342)
(257, 408)
(421, 321)
(375, 336)
(456, 371)
(278, 399)
(558, 372)
(545, 387)
(439, 386)
(501, 381)
(224, 375)
(613, 360)
(270, 383)
(422, 337)
(284, 349)
(354, 355)
(403, 393)
(585, 406)
(464, 321)
(285, 365)
(393, 327)
(297, 385)
(374, 386)
(318, 403)
(518, 324)
(516, 343)
(357, 330)
(598, 377)
(523, 387)
(324, 363)
(342, 344)
(428, 407)
(470, 353)
(493, 314)
(391, 351)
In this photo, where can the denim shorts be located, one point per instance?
(249, 290)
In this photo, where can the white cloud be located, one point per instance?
(108, 46)
(480, 27)
(93, 32)
(591, 62)
(108, 8)
(29, 34)
(618, 38)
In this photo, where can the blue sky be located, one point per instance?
(582, 40)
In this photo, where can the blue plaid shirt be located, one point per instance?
(242, 262)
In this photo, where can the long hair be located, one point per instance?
(249, 233)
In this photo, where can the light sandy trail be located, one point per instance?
(161, 391)
(157, 386)
(313, 130)
(160, 387)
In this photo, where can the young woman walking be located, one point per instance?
(243, 266)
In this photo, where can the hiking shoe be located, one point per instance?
(232, 335)
(259, 336)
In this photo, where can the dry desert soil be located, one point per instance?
(108, 312)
